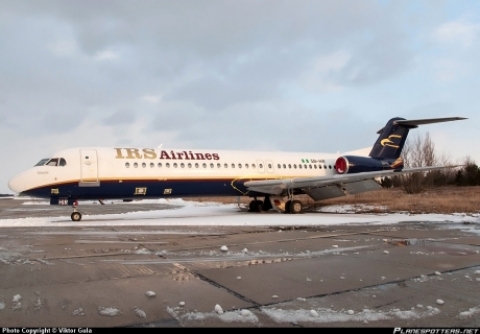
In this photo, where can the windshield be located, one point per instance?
(42, 162)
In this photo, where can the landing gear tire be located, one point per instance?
(76, 216)
(287, 206)
(295, 207)
(255, 206)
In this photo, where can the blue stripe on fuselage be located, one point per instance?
(129, 189)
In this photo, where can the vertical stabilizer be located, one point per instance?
(390, 143)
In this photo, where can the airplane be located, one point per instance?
(128, 173)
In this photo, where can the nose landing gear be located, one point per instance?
(76, 216)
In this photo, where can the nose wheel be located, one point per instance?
(76, 216)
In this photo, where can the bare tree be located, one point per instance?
(418, 152)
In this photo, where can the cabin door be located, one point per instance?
(89, 168)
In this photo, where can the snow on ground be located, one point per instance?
(217, 214)
(312, 315)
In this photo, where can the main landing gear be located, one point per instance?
(279, 203)
(293, 206)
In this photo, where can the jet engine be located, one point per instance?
(356, 164)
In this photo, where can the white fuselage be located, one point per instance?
(163, 172)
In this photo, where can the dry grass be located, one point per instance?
(438, 200)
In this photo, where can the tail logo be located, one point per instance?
(388, 141)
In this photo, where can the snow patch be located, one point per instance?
(470, 312)
(17, 302)
(109, 311)
(139, 312)
(218, 309)
(78, 311)
(150, 294)
(330, 315)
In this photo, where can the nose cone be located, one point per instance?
(16, 184)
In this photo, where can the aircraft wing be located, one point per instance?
(324, 187)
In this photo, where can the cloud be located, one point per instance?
(121, 116)
(460, 32)
(274, 74)
(105, 55)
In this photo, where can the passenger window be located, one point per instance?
(310, 166)
(320, 166)
(225, 165)
(189, 165)
(284, 166)
(197, 165)
(289, 166)
(295, 166)
(260, 165)
(144, 165)
(127, 164)
(182, 165)
(239, 165)
(253, 165)
(167, 165)
(300, 166)
(270, 166)
(219, 166)
(175, 165)
(233, 165)
(246, 165)
(279, 166)
(159, 165)
(152, 165)
(330, 166)
(204, 165)
(212, 166)
(63, 162)
(135, 165)
(315, 166)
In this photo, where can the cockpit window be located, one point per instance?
(53, 162)
(42, 162)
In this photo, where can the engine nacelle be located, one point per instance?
(355, 164)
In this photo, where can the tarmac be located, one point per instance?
(409, 275)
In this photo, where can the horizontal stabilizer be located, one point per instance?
(413, 123)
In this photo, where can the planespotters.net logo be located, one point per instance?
(399, 330)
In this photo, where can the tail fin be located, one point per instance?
(392, 137)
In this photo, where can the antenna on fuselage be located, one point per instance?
(160, 146)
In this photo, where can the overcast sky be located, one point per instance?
(318, 76)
